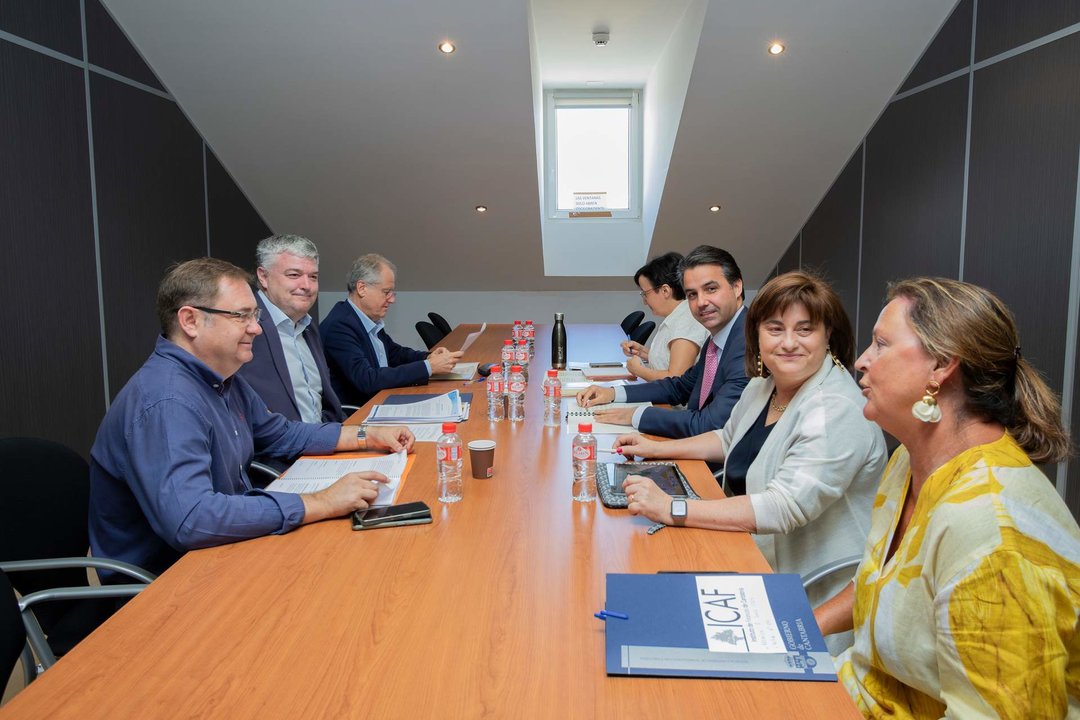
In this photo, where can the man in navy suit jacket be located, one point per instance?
(713, 285)
(289, 369)
(362, 357)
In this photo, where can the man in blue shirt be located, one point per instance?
(363, 358)
(168, 470)
(713, 285)
(289, 370)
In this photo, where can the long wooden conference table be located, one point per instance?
(486, 613)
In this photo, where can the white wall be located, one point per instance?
(498, 307)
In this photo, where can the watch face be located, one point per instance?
(678, 508)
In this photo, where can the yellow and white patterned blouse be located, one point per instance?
(975, 615)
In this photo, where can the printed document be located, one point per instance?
(308, 475)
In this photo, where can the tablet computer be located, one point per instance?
(666, 475)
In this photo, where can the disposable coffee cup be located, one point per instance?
(482, 457)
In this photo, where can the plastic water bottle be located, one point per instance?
(552, 399)
(530, 336)
(521, 357)
(515, 395)
(507, 360)
(448, 457)
(558, 343)
(495, 397)
(584, 464)
(517, 330)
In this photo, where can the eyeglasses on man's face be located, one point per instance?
(387, 294)
(240, 316)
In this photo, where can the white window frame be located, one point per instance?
(591, 98)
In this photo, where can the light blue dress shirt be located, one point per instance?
(303, 372)
(373, 329)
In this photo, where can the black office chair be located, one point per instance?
(631, 321)
(440, 322)
(45, 491)
(12, 632)
(429, 334)
(643, 331)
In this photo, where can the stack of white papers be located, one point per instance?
(444, 408)
(308, 475)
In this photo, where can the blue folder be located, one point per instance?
(665, 633)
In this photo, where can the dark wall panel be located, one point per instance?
(1072, 482)
(151, 210)
(790, 259)
(50, 362)
(950, 49)
(1005, 24)
(830, 238)
(52, 23)
(913, 192)
(107, 46)
(235, 226)
(1025, 132)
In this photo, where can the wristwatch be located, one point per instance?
(361, 436)
(678, 512)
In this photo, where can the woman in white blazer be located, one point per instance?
(801, 463)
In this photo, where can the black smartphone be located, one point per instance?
(414, 513)
(612, 364)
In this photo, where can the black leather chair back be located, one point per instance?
(12, 631)
(45, 494)
(440, 323)
(642, 332)
(631, 321)
(429, 334)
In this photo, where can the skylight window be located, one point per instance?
(593, 154)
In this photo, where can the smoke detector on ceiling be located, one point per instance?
(600, 38)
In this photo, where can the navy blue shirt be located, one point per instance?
(168, 469)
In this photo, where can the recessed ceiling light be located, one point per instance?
(447, 47)
(481, 208)
(776, 48)
(714, 208)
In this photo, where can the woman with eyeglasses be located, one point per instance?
(674, 347)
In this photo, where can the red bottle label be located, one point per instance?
(449, 454)
(584, 452)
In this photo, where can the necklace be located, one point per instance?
(774, 406)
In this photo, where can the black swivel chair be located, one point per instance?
(12, 632)
(45, 491)
(631, 321)
(642, 332)
(440, 322)
(429, 334)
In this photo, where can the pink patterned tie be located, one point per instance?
(711, 361)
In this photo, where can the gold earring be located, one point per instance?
(927, 409)
(836, 361)
(760, 367)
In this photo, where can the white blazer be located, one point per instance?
(813, 483)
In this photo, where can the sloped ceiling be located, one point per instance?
(342, 122)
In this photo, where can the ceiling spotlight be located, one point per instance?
(600, 38)
(776, 48)
(714, 208)
(446, 47)
(481, 208)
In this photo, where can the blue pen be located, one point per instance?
(605, 614)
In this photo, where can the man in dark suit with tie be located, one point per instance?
(362, 357)
(713, 285)
(289, 369)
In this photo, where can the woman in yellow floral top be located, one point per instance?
(966, 601)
